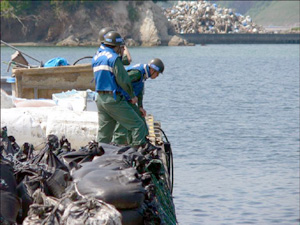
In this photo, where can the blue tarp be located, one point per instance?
(58, 61)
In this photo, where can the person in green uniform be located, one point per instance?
(115, 94)
(138, 74)
(126, 57)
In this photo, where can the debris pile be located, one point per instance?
(96, 184)
(204, 17)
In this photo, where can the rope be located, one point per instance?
(170, 163)
(86, 57)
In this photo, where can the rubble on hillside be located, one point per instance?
(204, 17)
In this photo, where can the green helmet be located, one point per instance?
(157, 65)
(113, 38)
(104, 31)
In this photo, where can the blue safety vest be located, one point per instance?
(103, 64)
(102, 48)
(139, 85)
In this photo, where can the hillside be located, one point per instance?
(279, 13)
(79, 22)
(267, 13)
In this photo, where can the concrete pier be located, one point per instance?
(242, 38)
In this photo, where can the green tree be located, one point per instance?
(133, 14)
(20, 8)
(6, 9)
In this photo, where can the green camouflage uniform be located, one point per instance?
(111, 111)
(123, 136)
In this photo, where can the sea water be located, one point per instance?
(231, 114)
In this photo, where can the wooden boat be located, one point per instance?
(33, 82)
(42, 82)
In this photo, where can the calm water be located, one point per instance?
(231, 113)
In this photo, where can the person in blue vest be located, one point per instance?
(115, 94)
(138, 74)
(126, 57)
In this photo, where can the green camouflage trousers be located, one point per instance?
(111, 111)
(121, 135)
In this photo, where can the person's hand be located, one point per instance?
(127, 53)
(143, 112)
(133, 100)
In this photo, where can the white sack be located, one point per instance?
(34, 124)
(6, 100)
(78, 127)
(25, 125)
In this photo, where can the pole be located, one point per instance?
(22, 52)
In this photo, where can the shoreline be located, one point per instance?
(44, 44)
(203, 38)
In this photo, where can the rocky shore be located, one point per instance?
(203, 39)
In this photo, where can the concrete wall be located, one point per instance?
(242, 38)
